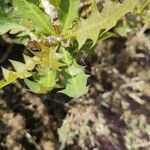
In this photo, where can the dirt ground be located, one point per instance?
(113, 115)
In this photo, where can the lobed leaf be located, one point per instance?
(35, 87)
(75, 80)
(23, 69)
(90, 28)
(44, 81)
(48, 57)
(74, 69)
(9, 77)
(76, 86)
(66, 57)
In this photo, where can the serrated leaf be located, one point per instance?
(46, 77)
(23, 69)
(75, 80)
(9, 77)
(88, 47)
(25, 9)
(69, 10)
(89, 28)
(35, 87)
(45, 80)
(76, 86)
(48, 57)
(67, 57)
(123, 29)
(74, 69)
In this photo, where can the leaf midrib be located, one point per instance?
(67, 19)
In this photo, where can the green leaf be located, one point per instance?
(23, 69)
(106, 35)
(48, 57)
(56, 3)
(69, 10)
(88, 47)
(35, 87)
(10, 24)
(74, 69)
(46, 77)
(142, 5)
(36, 2)
(123, 29)
(9, 77)
(45, 80)
(75, 80)
(2, 4)
(21, 40)
(89, 28)
(66, 57)
(76, 86)
(28, 10)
